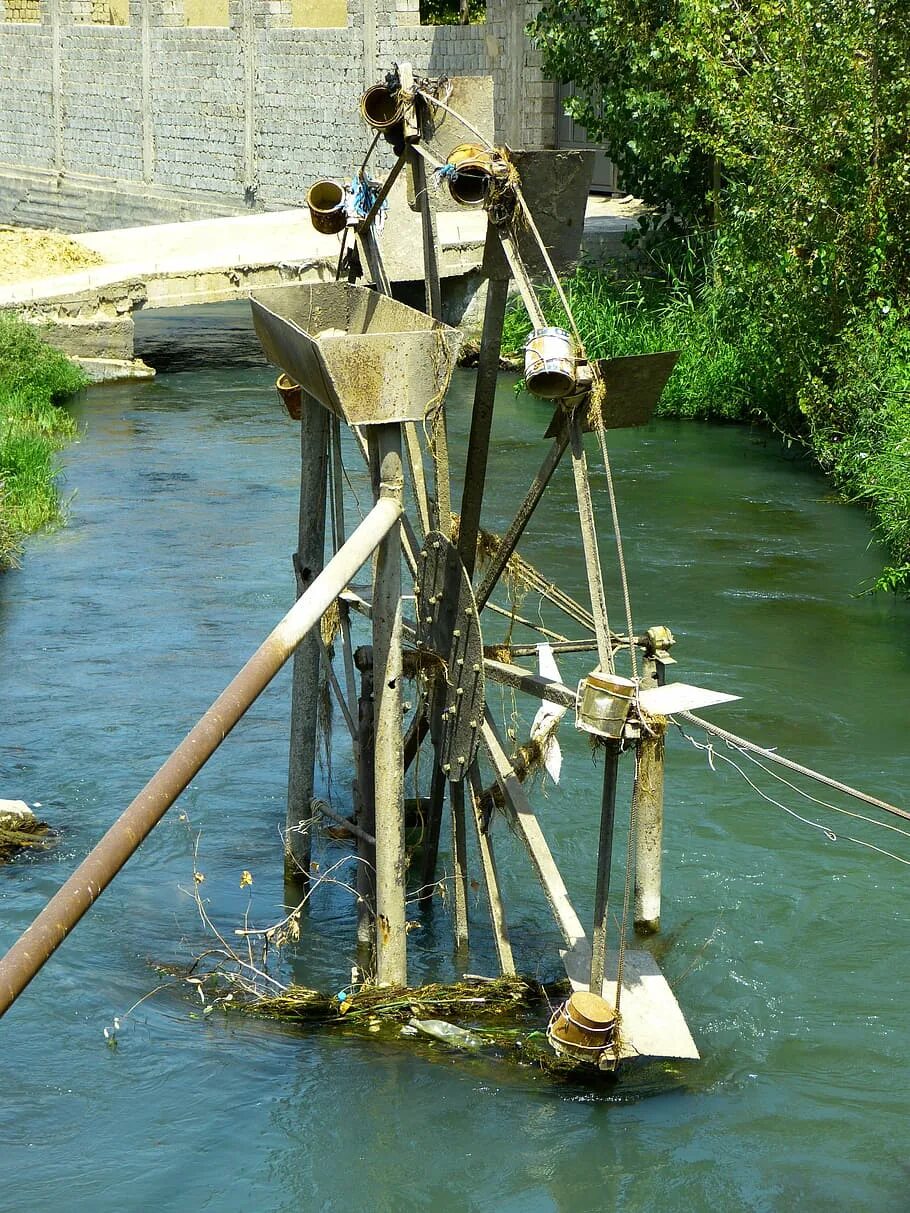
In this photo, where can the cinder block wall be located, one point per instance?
(117, 112)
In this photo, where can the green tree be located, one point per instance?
(775, 134)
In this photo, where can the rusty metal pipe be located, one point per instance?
(101, 865)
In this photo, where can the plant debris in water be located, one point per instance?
(501, 1017)
(26, 835)
(479, 1000)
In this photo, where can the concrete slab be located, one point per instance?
(233, 255)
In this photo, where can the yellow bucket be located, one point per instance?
(604, 701)
(380, 108)
(470, 181)
(582, 1027)
(326, 202)
(290, 395)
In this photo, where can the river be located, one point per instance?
(787, 950)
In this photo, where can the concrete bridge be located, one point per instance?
(89, 312)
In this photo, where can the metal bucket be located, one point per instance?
(381, 108)
(326, 202)
(290, 394)
(473, 166)
(603, 703)
(582, 1028)
(550, 363)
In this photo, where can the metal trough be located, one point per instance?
(633, 387)
(365, 357)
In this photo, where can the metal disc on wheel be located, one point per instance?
(448, 625)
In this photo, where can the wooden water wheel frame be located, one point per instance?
(440, 639)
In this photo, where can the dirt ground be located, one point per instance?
(27, 253)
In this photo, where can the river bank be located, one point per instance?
(852, 420)
(34, 380)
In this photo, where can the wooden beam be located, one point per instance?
(308, 562)
(589, 543)
(532, 684)
(522, 818)
(482, 415)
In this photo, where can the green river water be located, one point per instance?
(787, 951)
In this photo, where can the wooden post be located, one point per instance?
(604, 859)
(648, 816)
(308, 562)
(482, 413)
(459, 866)
(433, 306)
(344, 614)
(366, 802)
(589, 543)
(391, 928)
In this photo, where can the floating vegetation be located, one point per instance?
(28, 834)
(503, 1018)
(480, 999)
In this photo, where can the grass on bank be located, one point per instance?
(851, 413)
(34, 379)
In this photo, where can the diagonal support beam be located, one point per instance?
(522, 818)
(589, 543)
(491, 881)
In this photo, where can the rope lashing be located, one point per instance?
(361, 196)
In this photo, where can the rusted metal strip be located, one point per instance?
(482, 416)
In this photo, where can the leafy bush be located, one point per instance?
(858, 414)
(448, 12)
(618, 316)
(33, 379)
(775, 138)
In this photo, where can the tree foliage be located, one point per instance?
(775, 133)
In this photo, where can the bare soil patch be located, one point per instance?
(29, 253)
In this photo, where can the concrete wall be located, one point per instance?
(120, 112)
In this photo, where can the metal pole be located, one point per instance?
(604, 858)
(101, 865)
(308, 560)
(391, 928)
(522, 517)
